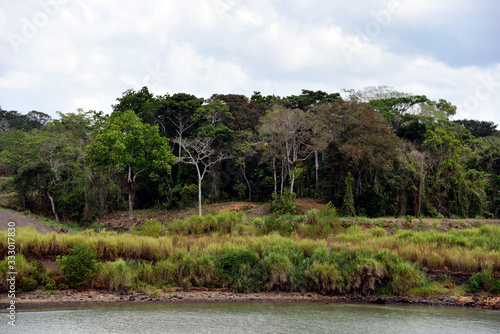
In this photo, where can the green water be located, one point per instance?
(253, 318)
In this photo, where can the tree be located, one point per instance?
(310, 99)
(244, 113)
(14, 120)
(289, 133)
(200, 153)
(39, 118)
(132, 147)
(143, 103)
(348, 207)
(179, 110)
(478, 128)
(34, 181)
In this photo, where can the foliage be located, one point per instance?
(485, 281)
(79, 266)
(284, 203)
(115, 275)
(348, 207)
(152, 228)
(403, 154)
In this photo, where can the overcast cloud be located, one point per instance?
(60, 55)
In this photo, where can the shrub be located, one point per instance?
(115, 275)
(484, 281)
(278, 267)
(240, 270)
(275, 223)
(285, 203)
(323, 277)
(79, 266)
(50, 284)
(29, 274)
(27, 283)
(404, 276)
(377, 232)
(152, 228)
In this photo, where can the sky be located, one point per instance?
(61, 55)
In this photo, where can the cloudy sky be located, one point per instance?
(60, 55)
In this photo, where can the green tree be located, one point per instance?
(179, 110)
(348, 208)
(143, 103)
(478, 128)
(132, 147)
(34, 182)
(310, 99)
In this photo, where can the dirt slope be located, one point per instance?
(23, 221)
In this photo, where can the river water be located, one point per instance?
(253, 318)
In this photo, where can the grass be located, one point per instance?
(312, 252)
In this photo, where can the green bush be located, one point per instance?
(29, 274)
(240, 270)
(323, 278)
(50, 284)
(282, 224)
(79, 266)
(116, 275)
(188, 194)
(27, 283)
(285, 203)
(484, 281)
(278, 268)
(404, 276)
(152, 228)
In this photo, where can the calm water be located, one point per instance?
(254, 318)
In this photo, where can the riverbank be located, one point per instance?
(40, 298)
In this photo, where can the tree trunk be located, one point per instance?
(130, 183)
(420, 195)
(130, 207)
(199, 197)
(53, 206)
(275, 177)
(316, 160)
(248, 183)
(282, 177)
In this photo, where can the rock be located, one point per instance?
(132, 298)
(378, 301)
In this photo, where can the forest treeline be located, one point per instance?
(374, 152)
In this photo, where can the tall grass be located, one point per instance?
(314, 252)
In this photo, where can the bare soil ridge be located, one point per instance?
(39, 298)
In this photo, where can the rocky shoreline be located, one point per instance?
(40, 298)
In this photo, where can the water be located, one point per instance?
(253, 318)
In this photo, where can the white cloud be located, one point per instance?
(92, 51)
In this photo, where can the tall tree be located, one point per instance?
(200, 153)
(289, 132)
(132, 147)
(39, 118)
(143, 103)
(310, 99)
(179, 110)
(478, 128)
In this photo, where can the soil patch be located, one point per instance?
(40, 298)
(24, 221)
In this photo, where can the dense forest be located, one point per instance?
(375, 152)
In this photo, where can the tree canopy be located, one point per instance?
(371, 152)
